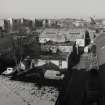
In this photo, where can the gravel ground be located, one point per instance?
(31, 93)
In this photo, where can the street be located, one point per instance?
(20, 93)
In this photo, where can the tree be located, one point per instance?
(87, 38)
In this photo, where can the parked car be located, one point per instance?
(9, 71)
(53, 75)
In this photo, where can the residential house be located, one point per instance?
(2, 23)
(16, 25)
(63, 35)
(38, 23)
(28, 24)
(51, 34)
(7, 25)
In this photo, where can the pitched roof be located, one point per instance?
(58, 35)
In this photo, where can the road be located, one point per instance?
(21, 93)
(7, 97)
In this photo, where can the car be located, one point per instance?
(53, 75)
(9, 71)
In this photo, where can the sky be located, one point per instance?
(52, 8)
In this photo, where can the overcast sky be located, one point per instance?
(52, 8)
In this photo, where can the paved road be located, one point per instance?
(7, 97)
(26, 93)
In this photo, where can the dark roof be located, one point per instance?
(49, 66)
